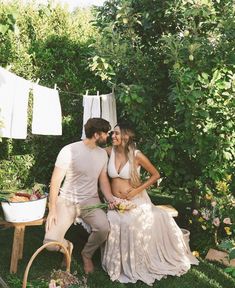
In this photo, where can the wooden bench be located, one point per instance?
(169, 209)
(18, 240)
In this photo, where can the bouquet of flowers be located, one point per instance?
(121, 205)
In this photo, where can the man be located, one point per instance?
(82, 164)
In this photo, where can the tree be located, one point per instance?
(51, 44)
(173, 65)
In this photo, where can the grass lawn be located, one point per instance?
(203, 276)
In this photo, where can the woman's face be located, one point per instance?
(116, 136)
(119, 138)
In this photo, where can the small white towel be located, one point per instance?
(109, 112)
(14, 93)
(91, 109)
(86, 226)
(47, 116)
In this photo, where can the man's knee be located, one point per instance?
(51, 247)
(104, 229)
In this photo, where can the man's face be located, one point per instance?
(102, 138)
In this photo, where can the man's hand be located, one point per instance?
(56, 180)
(51, 219)
(112, 204)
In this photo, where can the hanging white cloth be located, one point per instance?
(91, 109)
(14, 93)
(109, 112)
(47, 116)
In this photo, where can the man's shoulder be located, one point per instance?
(71, 146)
(102, 151)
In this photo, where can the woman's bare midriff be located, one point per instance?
(120, 187)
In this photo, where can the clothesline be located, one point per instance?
(13, 110)
(79, 94)
(14, 98)
(55, 86)
(68, 92)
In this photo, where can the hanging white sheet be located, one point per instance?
(91, 109)
(108, 108)
(47, 116)
(14, 92)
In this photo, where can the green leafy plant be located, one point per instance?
(215, 212)
(174, 64)
(15, 171)
(38, 191)
(6, 195)
(229, 246)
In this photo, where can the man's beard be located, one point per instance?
(100, 142)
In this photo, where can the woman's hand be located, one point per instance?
(132, 192)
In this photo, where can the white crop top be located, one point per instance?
(124, 172)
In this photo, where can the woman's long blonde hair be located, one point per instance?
(129, 150)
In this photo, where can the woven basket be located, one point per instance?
(68, 259)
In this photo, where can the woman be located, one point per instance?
(145, 243)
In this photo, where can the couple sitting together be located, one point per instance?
(143, 243)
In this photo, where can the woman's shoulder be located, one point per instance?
(139, 157)
(137, 152)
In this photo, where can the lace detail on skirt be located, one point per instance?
(146, 244)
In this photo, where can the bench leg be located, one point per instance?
(17, 248)
(21, 242)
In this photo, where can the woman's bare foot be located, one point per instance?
(87, 264)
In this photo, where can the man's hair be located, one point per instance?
(96, 125)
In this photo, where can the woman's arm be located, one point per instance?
(144, 162)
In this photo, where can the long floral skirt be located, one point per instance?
(145, 243)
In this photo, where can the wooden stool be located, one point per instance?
(169, 209)
(18, 241)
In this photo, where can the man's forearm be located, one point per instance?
(54, 191)
(56, 180)
(106, 189)
(108, 195)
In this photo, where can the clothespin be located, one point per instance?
(86, 92)
(98, 93)
(36, 82)
(55, 86)
(113, 89)
(8, 68)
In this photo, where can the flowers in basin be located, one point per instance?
(35, 193)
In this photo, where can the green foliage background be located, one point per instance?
(174, 69)
(53, 45)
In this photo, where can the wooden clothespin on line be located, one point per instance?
(55, 86)
(35, 83)
(98, 93)
(8, 68)
(86, 92)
